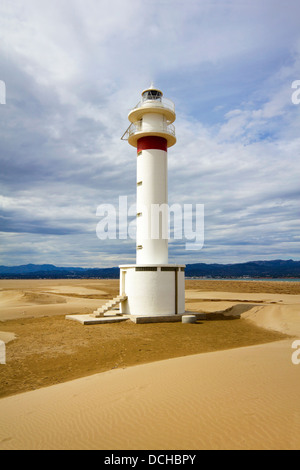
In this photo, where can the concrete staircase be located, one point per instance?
(109, 305)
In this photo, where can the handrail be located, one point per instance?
(160, 103)
(138, 127)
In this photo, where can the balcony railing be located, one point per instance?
(159, 103)
(138, 127)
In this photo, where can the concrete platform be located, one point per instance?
(91, 320)
(165, 319)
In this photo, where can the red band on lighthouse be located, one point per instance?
(152, 142)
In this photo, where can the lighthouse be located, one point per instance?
(152, 287)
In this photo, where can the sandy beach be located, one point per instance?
(229, 383)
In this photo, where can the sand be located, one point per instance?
(237, 398)
(26, 299)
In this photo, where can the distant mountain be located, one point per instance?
(49, 271)
(255, 269)
(31, 268)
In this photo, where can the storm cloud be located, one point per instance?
(73, 70)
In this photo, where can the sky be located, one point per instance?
(72, 71)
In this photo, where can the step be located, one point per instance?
(109, 305)
(91, 320)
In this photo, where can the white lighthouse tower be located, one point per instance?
(152, 287)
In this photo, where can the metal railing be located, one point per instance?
(138, 127)
(158, 103)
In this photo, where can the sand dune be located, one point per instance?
(76, 290)
(245, 398)
(283, 318)
(23, 299)
(236, 399)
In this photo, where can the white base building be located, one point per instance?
(153, 290)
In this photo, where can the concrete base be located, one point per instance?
(155, 319)
(189, 319)
(91, 320)
(164, 319)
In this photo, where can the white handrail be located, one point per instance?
(138, 127)
(160, 103)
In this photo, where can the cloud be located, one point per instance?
(74, 70)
